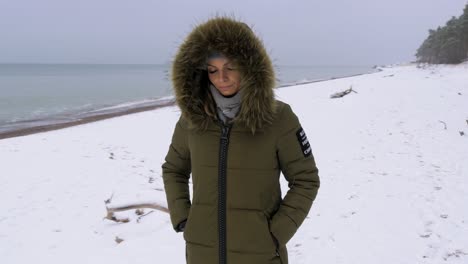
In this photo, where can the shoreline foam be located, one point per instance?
(84, 118)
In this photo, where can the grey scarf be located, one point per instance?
(227, 107)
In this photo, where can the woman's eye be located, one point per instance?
(212, 71)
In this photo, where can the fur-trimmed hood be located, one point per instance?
(237, 41)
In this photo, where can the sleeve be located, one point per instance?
(298, 166)
(176, 174)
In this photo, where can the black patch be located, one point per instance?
(303, 142)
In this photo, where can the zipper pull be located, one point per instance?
(225, 132)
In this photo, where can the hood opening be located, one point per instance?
(235, 40)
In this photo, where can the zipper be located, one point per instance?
(222, 171)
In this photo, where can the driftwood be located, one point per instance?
(111, 210)
(343, 93)
(445, 124)
(137, 206)
(139, 210)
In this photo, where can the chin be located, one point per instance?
(228, 92)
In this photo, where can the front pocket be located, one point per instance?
(273, 238)
(201, 227)
(248, 231)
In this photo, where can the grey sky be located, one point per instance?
(344, 32)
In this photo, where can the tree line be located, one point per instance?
(447, 44)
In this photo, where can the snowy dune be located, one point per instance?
(392, 160)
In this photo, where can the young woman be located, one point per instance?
(234, 139)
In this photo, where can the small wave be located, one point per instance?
(132, 104)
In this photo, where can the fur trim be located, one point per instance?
(238, 42)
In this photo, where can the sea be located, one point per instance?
(37, 94)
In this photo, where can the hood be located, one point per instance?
(237, 41)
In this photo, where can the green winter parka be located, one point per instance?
(237, 214)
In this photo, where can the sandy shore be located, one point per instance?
(84, 120)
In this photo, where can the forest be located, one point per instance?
(447, 44)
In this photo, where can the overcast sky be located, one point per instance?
(325, 32)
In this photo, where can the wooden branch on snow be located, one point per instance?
(343, 93)
(445, 124)
(137, 206)
(139, 210)
(111, 210)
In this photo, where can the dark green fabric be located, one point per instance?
(254, 204)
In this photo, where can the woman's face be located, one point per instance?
(224, 75)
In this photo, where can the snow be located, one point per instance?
(394, 180)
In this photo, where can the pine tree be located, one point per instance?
(426, 52)
(464, 29)
(452, 51)
(451, 42)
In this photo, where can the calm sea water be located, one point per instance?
(46, 91)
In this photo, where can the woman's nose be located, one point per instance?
(222, 76)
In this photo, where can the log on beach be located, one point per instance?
(343, 93)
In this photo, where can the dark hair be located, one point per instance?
(203, 92)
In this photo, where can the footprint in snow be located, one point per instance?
(457, 254)
(348, 214)
(425, 235)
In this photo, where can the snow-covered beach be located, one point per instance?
(392, 159)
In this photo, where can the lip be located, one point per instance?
(225, 87)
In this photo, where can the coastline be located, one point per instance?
(24, 131)
(84, 120)
(376, 70)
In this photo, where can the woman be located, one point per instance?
(235, 139)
